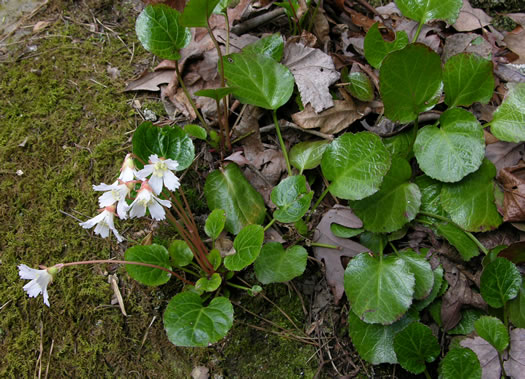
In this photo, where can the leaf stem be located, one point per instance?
(281, 142)
(188, 96)
(323, 195)
(317, 244)
(427, 375)
(417, 32)
(269, 225)
(237, 286)
(100, 261)
(470, 235)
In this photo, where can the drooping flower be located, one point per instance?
(104, 223)
(161, 173)
(39, 280)
(115, 193)
(146, 199)
(127, 171)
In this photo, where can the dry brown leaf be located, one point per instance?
(238, 158)
(150, 81)
(513, 181)
(471, 19)
(518, 18)
(314, 73)
(40, 25)
(515, 41)
(505, 154)
(321, 26)
(515, 365)
(334, 269)
(428, 35)
(511, 72)
(333, 120)
(462, 43)
(487, 356)
(200, 372)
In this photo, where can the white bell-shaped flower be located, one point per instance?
(39, 281)
(104, 222)
(128, 171)
(161, 173)
(147, 200)
(115, 193)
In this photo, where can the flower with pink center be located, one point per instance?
(39, 281)
(115, 193)
(103, 223)
(127, 171)
(147, 200)
(161, 173)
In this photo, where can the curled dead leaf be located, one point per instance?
(513, 181)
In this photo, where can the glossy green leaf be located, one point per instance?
(272, 46)
(215, 258)
(508, 122)
(209, 285)
(430, 196)
(454, 150)
(375, 342)
(379, 290)
(376, 242)
(435, 311)
(396, 203)
(159, 29)
(196, 131)
(307, 155)
(191, 324)
(215, 223)
(500, 282)
(344, 232)
(420, 267)
(215, 93)
(150, 254)
(180, 253)
(438, 281)
(404, 94)
(292, 199)
(228, 189)
(460, 363)
(376, 48)
(492, 330)
(168, 142)
(517, 309)
(276, 265)
(467, 78)
(258, 80)
(414, 346)
(247, 247)
(460, 240)
(423, 11)
(197, 12)
(355, 164)
(401, 144)
(470, 203)
(360, 86)
(466, 324)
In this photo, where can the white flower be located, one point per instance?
(39, 281)
(146, 199)
(160, 170)
(104, 223)
(116, 193)
(127, 171)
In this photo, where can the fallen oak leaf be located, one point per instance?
(487, 356)
(334, 269)
(513, 181)
(150, 81)
(470, 19)
(515, 365)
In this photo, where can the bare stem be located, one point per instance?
(188, 96)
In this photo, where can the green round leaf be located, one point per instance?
(500, 282)
(405, 95)
(376, 48)
(360, 86)
(151, 254)
(396, 203)
(467, 78)
(196, 131)
(517, 309)
(400, 145)
(414, 346)
(189, 323)
(423, 11)
(375, 342)
(276, 265)
(438, 281)
(215, 258)
(492, 330)
(376, 242)
(215, 93)
(466, 324)
(470, 203)
(307, 155)
(291, 198)
(420, 267)
(508, 122)
(460, 240)
(159, 30)
(228, 189)
(460, 363)
(430, 196)
(454, 150)
(209, 285)
(247, 246)
(356, 165)
(180, 253)
(258, 80)
(197, 12)
(345, 232)
(379, 290)
(169, 142)
(215, 223)
(272, 46)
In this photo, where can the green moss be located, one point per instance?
(502, 22)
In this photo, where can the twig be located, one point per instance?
(145, 336)
(49, 358)
(7, 302)
(252, 23)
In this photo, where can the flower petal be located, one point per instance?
(146, 171)
(156, 183)
(156, 211)
(171, 181)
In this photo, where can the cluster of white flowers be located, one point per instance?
(153, 177)
(39, 280)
